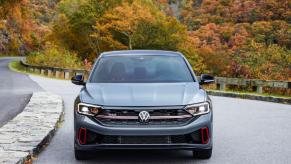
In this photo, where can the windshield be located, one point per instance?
(141, 69)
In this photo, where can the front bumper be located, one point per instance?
(204, 121)
(142, 147)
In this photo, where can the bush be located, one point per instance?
(265, 62)
(54, 57)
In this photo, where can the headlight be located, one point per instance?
(88, 110)
(198, 109)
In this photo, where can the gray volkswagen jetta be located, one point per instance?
(143, 100)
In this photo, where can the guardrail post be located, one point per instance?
(36, 70)
(221, 83)
(42, 72)
(259, 85)
(222, 86)
(49, 73)
(260, 89)
(68, 75)
(62, 75)
(58, 74)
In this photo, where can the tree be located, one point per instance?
(140, 25)
(123, 21)
(74, 24)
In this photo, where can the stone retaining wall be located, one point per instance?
(26, 134)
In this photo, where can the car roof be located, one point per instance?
(141, 52)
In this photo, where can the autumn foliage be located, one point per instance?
(240, 38)
(24, 24)
(232, 38)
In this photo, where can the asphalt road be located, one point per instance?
(245, 131)
(15, 91)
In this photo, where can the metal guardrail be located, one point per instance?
(61, 73)
(221, 82)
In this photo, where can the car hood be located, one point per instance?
(142, 94)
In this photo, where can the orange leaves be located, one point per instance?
(265, 62)
(24, 25)
(126, 17)
(123, 20)
(163, 1)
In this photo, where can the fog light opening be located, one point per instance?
(82, 136)
(204, 135)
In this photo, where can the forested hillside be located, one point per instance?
(233, 38)
(239, 38)
(24, 24)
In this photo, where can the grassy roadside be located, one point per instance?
(17, 67)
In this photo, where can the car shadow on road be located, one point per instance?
(141, 156)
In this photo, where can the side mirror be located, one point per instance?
(206, 79)
(78, 80)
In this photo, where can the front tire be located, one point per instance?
(81, 155)
(202, 154)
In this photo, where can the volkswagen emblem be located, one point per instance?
(144, 116)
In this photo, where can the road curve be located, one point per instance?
(15, 91)
(245, 131)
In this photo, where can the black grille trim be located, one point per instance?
(192, 138)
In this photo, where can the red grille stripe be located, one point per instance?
(136, 117)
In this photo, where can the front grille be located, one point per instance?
(129, 116)
(192, 138)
